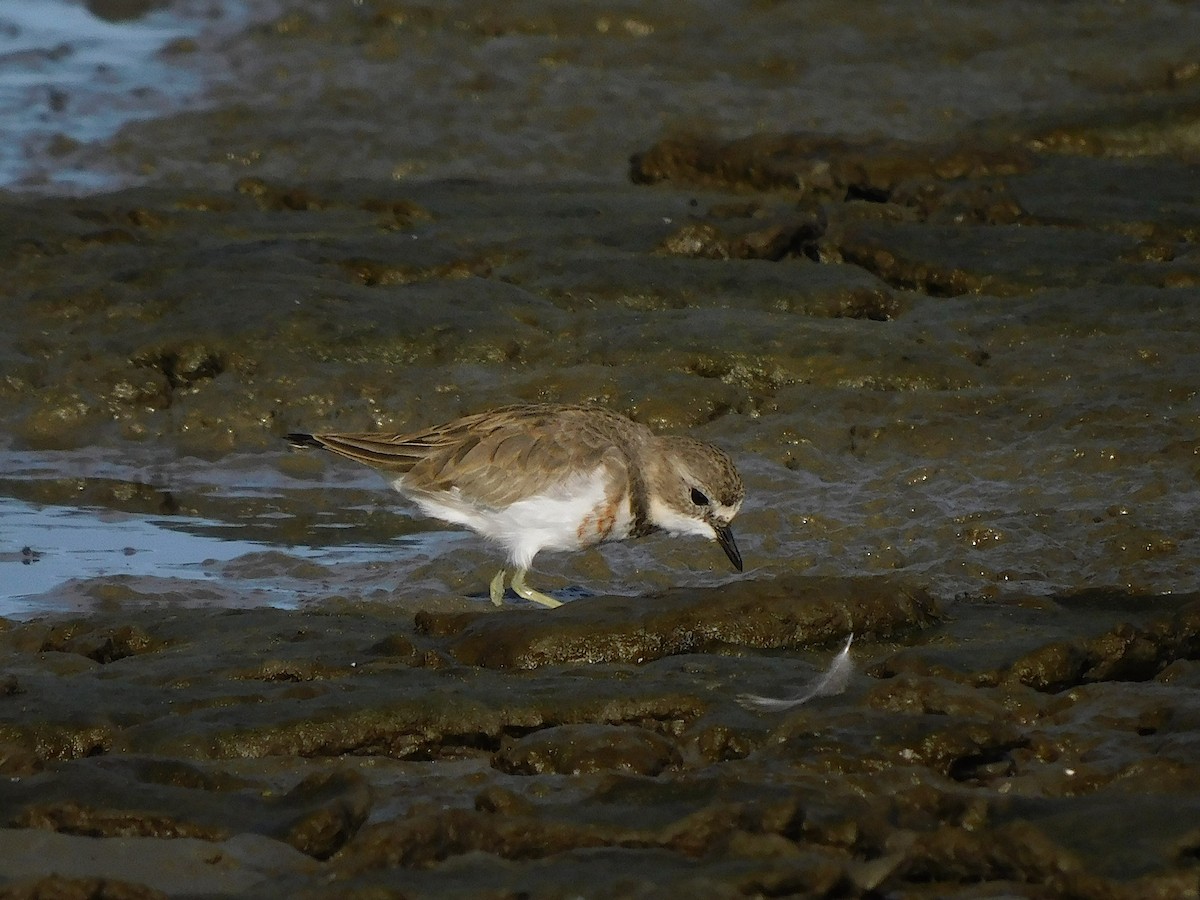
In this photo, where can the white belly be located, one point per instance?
(565, 518)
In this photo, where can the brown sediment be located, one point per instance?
(778, 614)
(945, 762)
(890, 351)
(958, 369)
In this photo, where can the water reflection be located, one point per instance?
(72, 73)
(46, 546)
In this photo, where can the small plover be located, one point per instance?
(549, 477)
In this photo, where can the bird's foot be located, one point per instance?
(496, 588)
(524, 590)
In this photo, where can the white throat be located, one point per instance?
(675, 522)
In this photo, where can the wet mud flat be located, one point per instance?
(1009, 729)
(959, 373)
(1041, 748)
(987, 345)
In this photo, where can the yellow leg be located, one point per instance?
(497, 588)
(524, 590)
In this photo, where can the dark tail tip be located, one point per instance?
(300, 439)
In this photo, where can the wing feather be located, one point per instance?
(499, 457)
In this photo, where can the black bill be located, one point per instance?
(729, 545)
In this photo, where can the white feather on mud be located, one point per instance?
(832, 681)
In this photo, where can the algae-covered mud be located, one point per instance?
(931, 278)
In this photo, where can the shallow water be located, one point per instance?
(73, 73)
(139, 526)
(66, 549)
(90, 543)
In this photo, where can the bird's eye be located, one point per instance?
(698, 498)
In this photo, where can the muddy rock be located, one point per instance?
(1126, 653)
(779, 614)
(58, 887)
(378, 767)
(574, 749)
(818, 165)
(164, 798)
